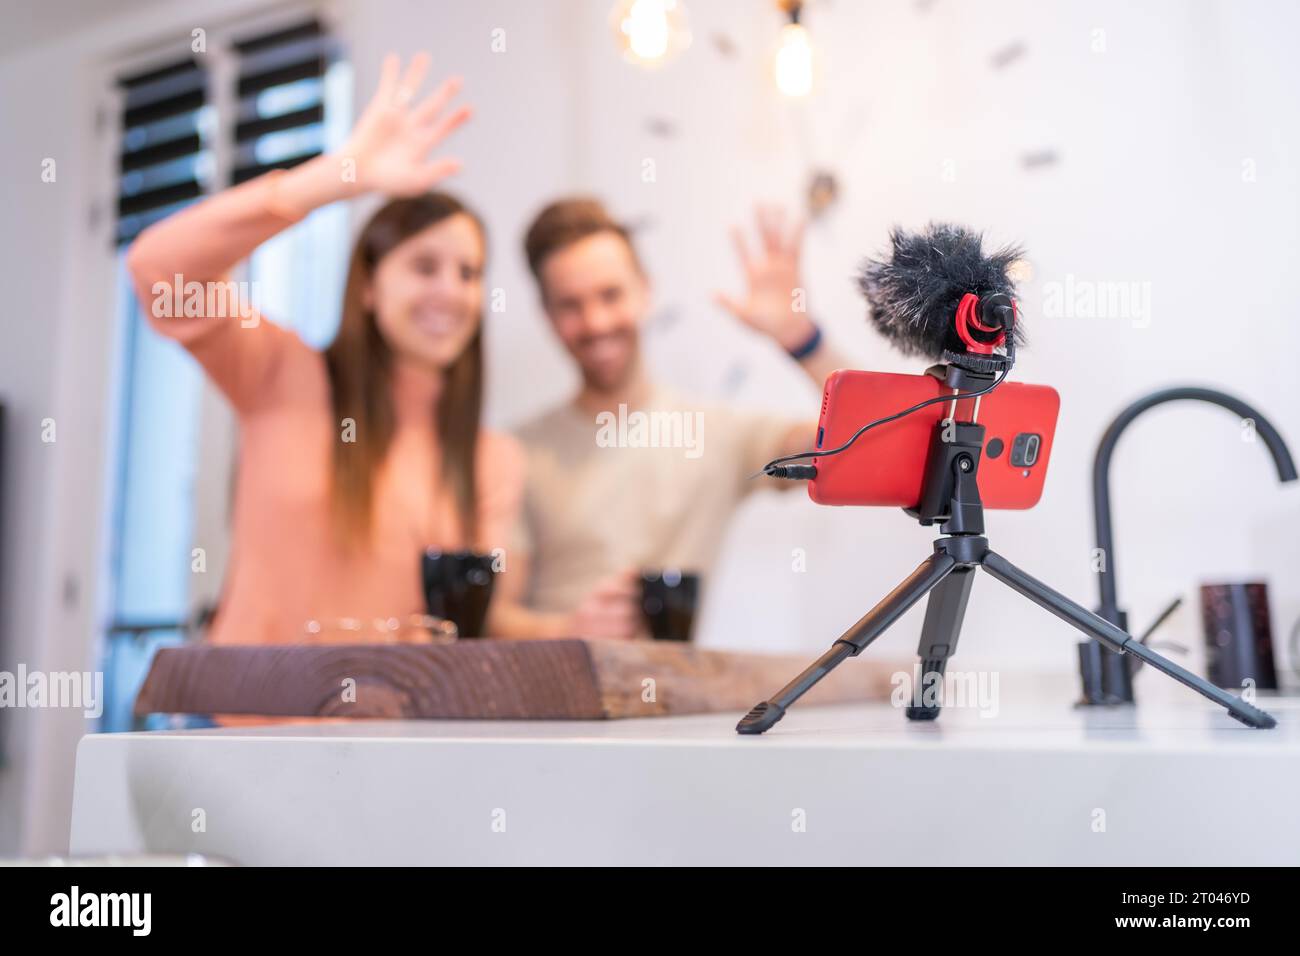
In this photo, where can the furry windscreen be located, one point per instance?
(914, 294)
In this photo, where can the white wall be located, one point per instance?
(1151, 134)
(26, 364)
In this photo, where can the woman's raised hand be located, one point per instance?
(391, 142)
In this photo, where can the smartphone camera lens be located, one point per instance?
(1025, 448)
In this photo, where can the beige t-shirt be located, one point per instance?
(647, 487)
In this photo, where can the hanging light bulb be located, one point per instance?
(794, 54)
(650, 32)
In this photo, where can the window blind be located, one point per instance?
(280, 110)
(165, 160)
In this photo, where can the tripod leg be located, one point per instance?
(874, 623)
(1118, 640)
(943, 616)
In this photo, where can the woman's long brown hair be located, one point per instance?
(360, 373)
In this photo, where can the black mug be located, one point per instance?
(668, 601)
(458, 588)
(1238, 635)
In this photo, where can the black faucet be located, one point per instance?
(1108, 676)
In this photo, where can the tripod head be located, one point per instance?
(950, 495)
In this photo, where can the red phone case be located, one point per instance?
(886, 465)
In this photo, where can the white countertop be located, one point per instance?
(1173, 781)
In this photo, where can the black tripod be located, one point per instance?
(951, 495)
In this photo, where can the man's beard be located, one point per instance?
(602, 379)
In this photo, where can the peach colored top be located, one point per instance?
(285, 565)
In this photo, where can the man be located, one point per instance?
(629, 475)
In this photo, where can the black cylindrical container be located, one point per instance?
(1238, 635)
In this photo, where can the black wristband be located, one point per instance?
(809, 345)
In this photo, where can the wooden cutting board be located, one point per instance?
(489, 679)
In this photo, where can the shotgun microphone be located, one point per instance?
(941, 296)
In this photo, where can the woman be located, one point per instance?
(353, 461)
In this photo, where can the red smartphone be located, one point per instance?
(886, 466)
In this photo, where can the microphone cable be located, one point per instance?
(778, 467)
